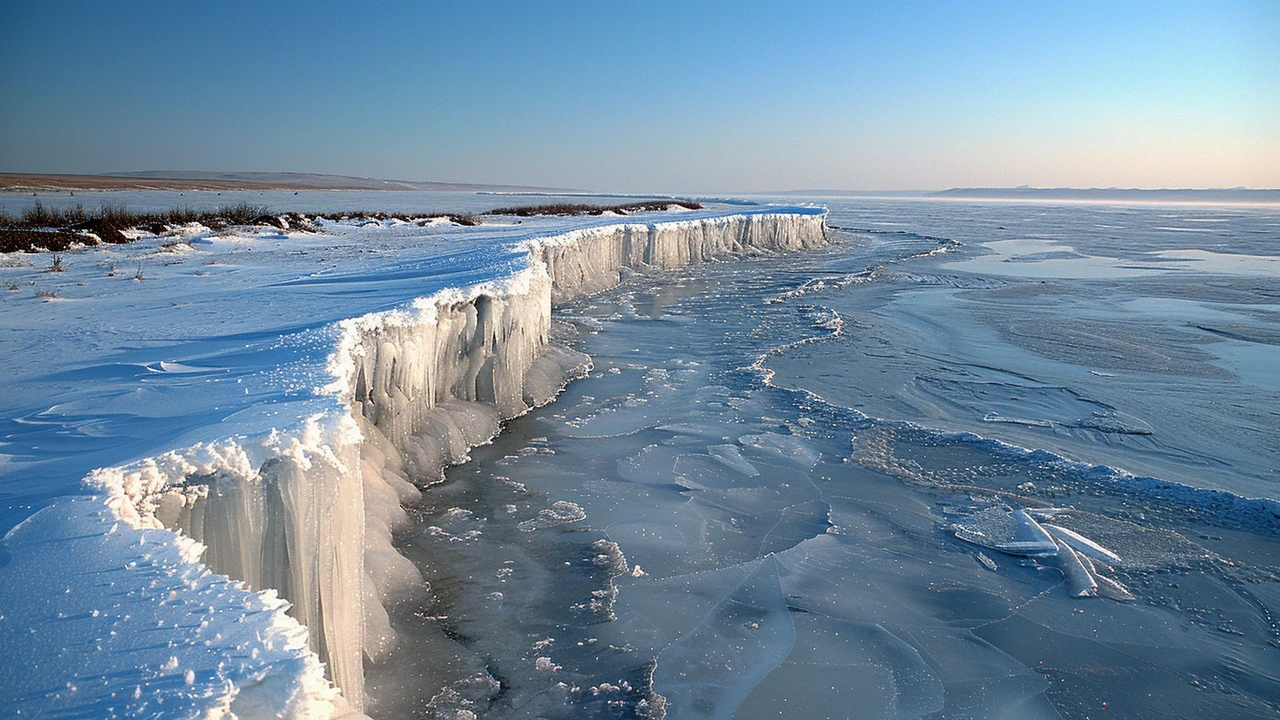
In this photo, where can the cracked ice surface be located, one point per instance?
(800, 558)
(798, 547)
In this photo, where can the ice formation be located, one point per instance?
(154, 621)
(1020, 532)
(307, 512)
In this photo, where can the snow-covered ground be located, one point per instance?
(264, 392)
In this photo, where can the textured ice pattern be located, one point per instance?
(791, 556)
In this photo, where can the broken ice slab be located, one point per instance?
(731, 457)
(786, 446)
(1012, 532)
(1081, 544)
(1107, 588)
(1080, 582)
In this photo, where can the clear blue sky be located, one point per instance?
(653, 96)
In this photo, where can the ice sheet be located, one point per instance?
(893, 615)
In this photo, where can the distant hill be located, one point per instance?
(197, 180)
(1241, 195)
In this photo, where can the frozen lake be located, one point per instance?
(783, 451)
(971, 460)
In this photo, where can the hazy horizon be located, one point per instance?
(252, 177)
(664, 97)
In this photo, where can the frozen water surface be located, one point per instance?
(970, 461)
(790, 489)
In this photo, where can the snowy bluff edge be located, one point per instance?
(308, 513)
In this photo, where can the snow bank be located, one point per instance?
(128, 625)
(282, 514)
(308, 513)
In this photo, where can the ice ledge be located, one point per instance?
(127, 625)
(309, 512)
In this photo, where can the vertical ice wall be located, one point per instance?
(489, 345)
(311, 513)
(590, 260)
(283, 512)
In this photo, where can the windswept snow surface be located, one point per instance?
(268, 395)
(105, 620)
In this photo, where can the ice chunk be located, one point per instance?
(702, 471)
(653, 465)
(1029, 538)
(1012, 532)
(796, 524)
(790, 447)
(1080, 582)
(1081, 543)
(1107, 587)
(731, 457)
(561, 512)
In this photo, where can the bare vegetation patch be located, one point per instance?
(40, 228)
(465, 219)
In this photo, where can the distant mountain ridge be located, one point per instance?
(202, 180)
(1239, 194)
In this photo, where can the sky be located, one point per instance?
(652, 97)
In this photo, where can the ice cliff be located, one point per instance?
(308, 512)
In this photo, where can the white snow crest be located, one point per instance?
(212, 648)
(141, 493)
(292, 522)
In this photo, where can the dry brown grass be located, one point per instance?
(40, 228)
(56, 230)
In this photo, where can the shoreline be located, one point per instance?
(411, 388)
